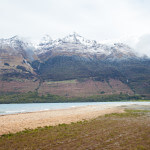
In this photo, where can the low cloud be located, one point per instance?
(100, 20)
(143, 45)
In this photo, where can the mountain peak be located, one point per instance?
(75, 34)
(16, 38)
(75, 38)
(46, 39)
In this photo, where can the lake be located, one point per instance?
(31, 107)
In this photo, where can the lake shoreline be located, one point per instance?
(13, 123)
(129, 129)
(8, 109)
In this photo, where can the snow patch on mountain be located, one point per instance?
(77, 39)
(74, 43)
(18, 45)
(46, 40)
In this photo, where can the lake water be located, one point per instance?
(31, 107)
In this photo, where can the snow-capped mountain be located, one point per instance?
(73, 57)
(77, 39)
(15, 42)
(17, 45)
(74, 44)
(16, 52)
(46, 40)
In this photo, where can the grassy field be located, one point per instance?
(126, 131)
(65, 81)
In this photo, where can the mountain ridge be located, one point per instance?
(76, 44)
(73, 57)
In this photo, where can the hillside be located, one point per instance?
(72, 66)
(15, 58)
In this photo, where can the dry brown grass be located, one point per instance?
(18, 86)
(127, 131)
(74, 88)
(69, 88)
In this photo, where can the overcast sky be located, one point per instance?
(101, 20)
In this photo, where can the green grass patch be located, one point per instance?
(129, 113)
(34, 97)
(64, 81)
(113, 131)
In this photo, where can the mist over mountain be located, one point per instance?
(75, 43)
(74, 57)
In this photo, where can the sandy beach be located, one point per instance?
(18, 122)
